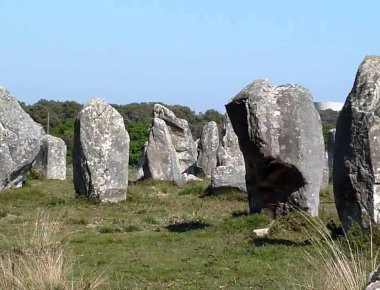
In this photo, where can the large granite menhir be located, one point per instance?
(230, 171)
(171, 151)
(208, 146)
(280, 135)
(20, 141)
(181, 138)
(51, 160)
(356, 173)
(100, 153)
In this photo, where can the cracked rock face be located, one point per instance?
(52, 158)
(208, 146)
(357, 149)
(171, 151)
(100, 153)
(280, 135)
(181, 138)
(230, 170)
(161, 160)
(20, 141)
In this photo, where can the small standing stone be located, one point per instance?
(101, 152)
(52, 158)
(208, 145)
(330, 147)
(230, 171)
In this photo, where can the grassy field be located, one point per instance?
(165, 236)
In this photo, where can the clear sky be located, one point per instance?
(196, 53)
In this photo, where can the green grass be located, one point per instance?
(165, 236)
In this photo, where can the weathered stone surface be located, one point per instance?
(280, 135)
(330, 147)
(227, 177)
(171, 151)
(181, 138)
(20, 141)
(208, 145)
(231, 168)
(373, 282)
(101, 152)
(356, 173)
(161, 161)
(51, 160)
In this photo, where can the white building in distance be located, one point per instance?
(335, 106)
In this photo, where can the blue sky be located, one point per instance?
(195, 53)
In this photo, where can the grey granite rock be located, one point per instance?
(373, 282)
(227, 177)
(101, 152)
(356, 173)
(181, 138)
(161, 161)
(280, 135)
(231, 168)
(330, 147)
(208, 146)
(51, 160)
(20, 141)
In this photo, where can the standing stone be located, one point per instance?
(161, 161)
(280, 135)
(330, 146)
(208, 145)
(101, 152)
(140, 164)
(231, 168)
(20, 141)
(356, 171)
(52, 158)
(326, 173)
(181, 138)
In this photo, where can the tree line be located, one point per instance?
(137, 119)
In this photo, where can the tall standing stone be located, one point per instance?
(101, 152)
(208, 146)
(20, 141)
(280, 135)
(230, 171)
(356, 173)
(52, 158)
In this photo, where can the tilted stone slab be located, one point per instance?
(20, 141)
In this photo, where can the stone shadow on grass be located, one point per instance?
(265, 241)
(186, 226)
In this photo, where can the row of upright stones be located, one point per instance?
(272, 147)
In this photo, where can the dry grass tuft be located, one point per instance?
(336, 264)
(41, 261)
